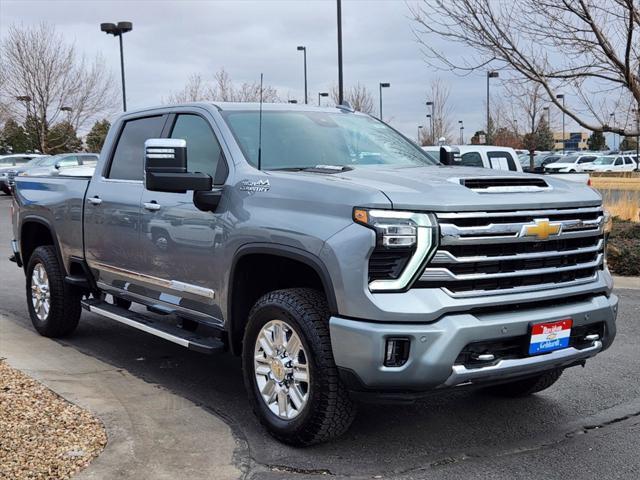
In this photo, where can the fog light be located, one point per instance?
(397, 352)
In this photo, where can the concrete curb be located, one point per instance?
(626, 282)
(152, 433)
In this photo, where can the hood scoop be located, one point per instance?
(505, 184)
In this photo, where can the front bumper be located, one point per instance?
(358, 346)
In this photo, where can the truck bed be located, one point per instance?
(58, 201)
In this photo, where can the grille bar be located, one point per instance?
(491, 253)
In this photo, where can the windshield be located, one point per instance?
(604, 160)
(296, 140)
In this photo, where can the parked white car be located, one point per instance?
(484, 156)
(571, 163)
(611, 163)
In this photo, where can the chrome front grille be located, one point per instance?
(485, 253)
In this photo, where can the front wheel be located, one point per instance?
(289, 372)
(54, 307)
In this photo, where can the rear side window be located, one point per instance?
(628, 160)
(502, 161)
(128, 158)
(204, 154)
(471, 159)
(618, 161)
(587, 159)
(68, 161)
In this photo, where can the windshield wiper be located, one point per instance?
(317, 169)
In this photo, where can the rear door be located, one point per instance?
(181, 242)
(112, 209)
(501, 160)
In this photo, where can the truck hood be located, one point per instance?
(439, 188)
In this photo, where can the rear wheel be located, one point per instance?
(54, 306)
(289, 372)
(527, 386)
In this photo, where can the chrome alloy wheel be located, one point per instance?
(40, 292)
(281, 369)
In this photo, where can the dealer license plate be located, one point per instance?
(546, 337)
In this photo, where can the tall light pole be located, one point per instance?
(637, 112)
(322, 94)
(430, 117)
(382, 85)
(490, 74)
(117, 31)
(302, 48)
(340, 79)
(68, 110)
(548, 110)
(560, 96)
(419, 130)
(461, 132)
(613, 124)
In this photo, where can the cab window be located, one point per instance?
(502, 161)
(128, 158)
(471, 159)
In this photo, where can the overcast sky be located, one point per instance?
(172, 39)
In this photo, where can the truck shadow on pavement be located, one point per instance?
(385, 439)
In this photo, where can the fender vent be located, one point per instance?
(505, 184)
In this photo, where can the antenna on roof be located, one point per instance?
(260, 129)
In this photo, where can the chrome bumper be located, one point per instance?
(522, 366)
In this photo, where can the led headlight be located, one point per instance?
(409, 236)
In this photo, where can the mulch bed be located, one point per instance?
(623, 248)
(42, 436)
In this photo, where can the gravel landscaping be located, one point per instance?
(42, 436)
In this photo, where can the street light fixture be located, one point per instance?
(490, 74)
(560, 96)
(419, 129)
(548, 110)
(322, 94)
(68, 110)
(461, 132)
(117, 30)
(304, 49)
(293, 101)
(430, 117)
(382, 85)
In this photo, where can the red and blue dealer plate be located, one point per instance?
(547, 337)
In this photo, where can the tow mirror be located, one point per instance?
(165, 168)
(449, 155)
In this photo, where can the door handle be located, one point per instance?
(153, 206)
(94, 200)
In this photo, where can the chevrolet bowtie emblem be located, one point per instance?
(542, 229)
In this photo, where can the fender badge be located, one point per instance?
(255, 186)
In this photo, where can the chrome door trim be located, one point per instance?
(159, 282)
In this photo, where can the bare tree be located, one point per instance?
(358, 96)
(442, 111)
(588, 48)
(53, 81)
(222, 89)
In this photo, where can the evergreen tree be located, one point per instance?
(629, 143)
(597, 142)
(14, 138)
(97, 135)
(543, 136)
(62, 138)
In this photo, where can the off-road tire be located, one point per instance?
(329, 410)
(527, 386)
(65, 309)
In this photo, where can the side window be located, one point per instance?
(618, 161)
(128, 158)
(471, 159)
(68, 161)
(204, 154)
(628, 160)
(89, 159)
(586, 159)
(502, 161)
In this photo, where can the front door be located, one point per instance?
(179, 241)
(112, 210)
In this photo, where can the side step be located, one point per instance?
(158, 328)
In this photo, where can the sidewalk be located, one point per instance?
(152, 434)
(626, 282)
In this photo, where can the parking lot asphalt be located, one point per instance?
(586, 426)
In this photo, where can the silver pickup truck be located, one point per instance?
(330, 252)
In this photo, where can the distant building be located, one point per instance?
(573, 140)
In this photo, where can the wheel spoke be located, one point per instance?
(263, 369)
(266, 344)
(293, 345)
(297, 398)
(269, 391)
(282, 403)
(300, 373)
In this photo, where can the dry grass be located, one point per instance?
(624, 205)
(616, 183)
